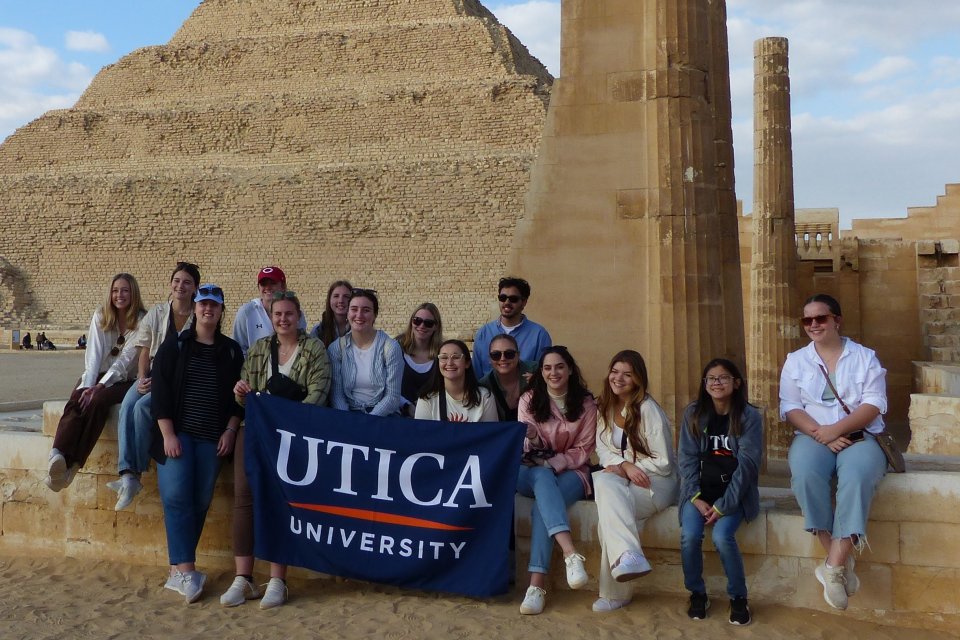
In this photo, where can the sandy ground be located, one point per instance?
(66, 598)
(80, 599)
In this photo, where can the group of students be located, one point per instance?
(182, 384)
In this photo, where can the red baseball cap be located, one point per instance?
(272, 273)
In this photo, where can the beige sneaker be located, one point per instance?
(533, 601)
(834, 585)
(853, 582)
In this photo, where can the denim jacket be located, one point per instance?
(387, 373)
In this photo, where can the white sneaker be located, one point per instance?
(602, 605)
(275, 594)
(129, 488)
(533, 601)
(193, 582)
(853, 582)
(630, 566)
(56, 471)
(174, 582)
(239, 592)
(834, 585)
(576, 575)
(114, 485)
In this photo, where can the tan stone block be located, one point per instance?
(787, 537)
(52, 412)
(927, 589)
(918, 496)
(934, 425)
(930, 544)
(93, 528)
(24, 451)
(33, 523)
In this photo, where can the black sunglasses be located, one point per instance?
(513, 299)
(417, 321)
(116, 349)
(210, 291)
(509, 354)
(820, 319)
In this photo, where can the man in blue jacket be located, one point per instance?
(530, 336)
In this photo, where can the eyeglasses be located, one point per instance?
(724, 380)
(116, 349)
(450, 357)
(417, 321)
(509, 354)
(821, 319)
(513, 299)
(284, 295)
(210, 291)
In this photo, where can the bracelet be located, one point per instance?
(234, 429)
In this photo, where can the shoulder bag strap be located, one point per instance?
(826, 375)
(275, 353)
(443, 406)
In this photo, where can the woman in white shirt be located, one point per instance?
(109, 371)
(453, 393)
(639, 476)
(833, 392)
(421, 344)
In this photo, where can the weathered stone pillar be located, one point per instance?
(774, 308)
(622, 238)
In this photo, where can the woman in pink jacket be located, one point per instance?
(561, 418)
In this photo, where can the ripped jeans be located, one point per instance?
(859, 469)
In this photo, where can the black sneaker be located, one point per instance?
(699, 603)
(739, 611)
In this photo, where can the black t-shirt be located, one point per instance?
(717, 463)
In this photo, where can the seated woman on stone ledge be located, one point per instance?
(833, 392)
(638, 478)
(561, 418)
(109, 370)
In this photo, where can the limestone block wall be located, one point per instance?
(386, 142)
(922, 223)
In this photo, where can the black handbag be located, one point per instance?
(279, 384)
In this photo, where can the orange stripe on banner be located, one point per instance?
(379, 516)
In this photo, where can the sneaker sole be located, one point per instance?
(742, 624)
(627, 577)
(578, 585)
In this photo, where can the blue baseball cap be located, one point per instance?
(209, 292)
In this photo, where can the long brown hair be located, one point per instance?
(738, 401)
(110, 318)
(577, 391)
(328, 321)
(632, 422)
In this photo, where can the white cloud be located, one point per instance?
(86, 41)
(885, 69)
(536, 23)
(946, 68)
(34, 79)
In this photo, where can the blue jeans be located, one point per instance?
(186, 489)
(134, 432)
(552, 494)
(859, 469)
(724, 539)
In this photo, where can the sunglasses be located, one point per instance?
(284, 295)
(513, 299)
(807, 321)
(509, 354)
(210, 291)
(417, 321)
(116, 349)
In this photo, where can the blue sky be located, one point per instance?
(876, 86)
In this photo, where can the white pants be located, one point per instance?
(622, 509)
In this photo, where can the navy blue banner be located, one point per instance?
(414, 503)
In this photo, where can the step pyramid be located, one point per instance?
(386, 141)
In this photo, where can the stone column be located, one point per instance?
(622, 239)
(774, 308)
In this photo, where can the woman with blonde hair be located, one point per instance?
(639, 475)
(109, 371)
(420, 344)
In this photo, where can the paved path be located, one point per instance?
(28, 378)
